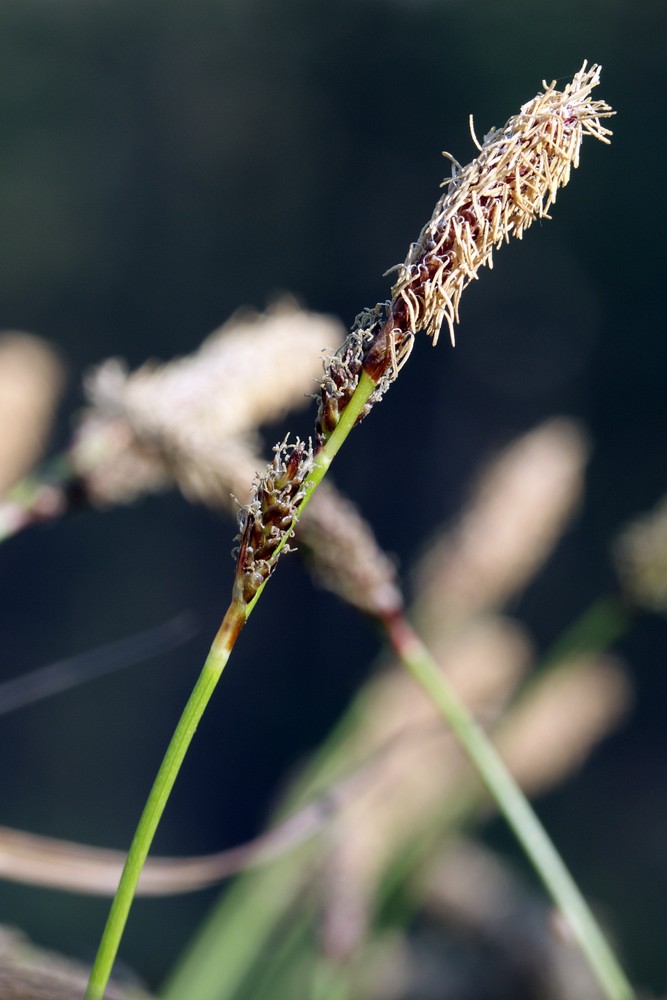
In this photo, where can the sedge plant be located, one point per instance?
(513, 181)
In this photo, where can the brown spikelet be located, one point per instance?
(341, 375)
(512, 182)
(268, 520)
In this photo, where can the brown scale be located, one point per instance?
(341, 380)
(268, 520)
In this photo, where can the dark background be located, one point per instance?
(163, 163)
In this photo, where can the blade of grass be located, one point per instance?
(223, 644)
(515, 808)
(251, 910)
(157, 800)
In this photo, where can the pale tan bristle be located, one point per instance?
(512, 182)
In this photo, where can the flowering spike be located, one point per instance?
(268, 520)
(512, 182)
(342, 370)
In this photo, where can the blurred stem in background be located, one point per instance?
(243, 932)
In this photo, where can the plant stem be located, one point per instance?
(515, 808)
(471, 738)
(255, 905)
(157, 800)
(222, 646)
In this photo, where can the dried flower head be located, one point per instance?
(183, 421)
(640, 553)
(110, 460)
(513, 181)
(250, 371)
(268, 520)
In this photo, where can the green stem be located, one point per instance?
(223, 644)
(254, 905)
(157, 800)
(365, 389)
(515, 808)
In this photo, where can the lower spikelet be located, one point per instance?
(513, 181)
(268, 520)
